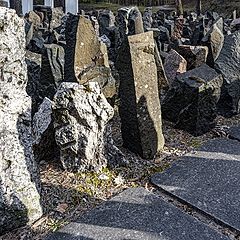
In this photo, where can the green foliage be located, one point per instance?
(196, 143)
(95, 183)
(55, 224)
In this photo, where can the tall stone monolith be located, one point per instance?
(140, 109)
(19, 180)
(86, 59)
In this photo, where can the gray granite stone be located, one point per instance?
(136, 214)
(140, 109)
(208, 179)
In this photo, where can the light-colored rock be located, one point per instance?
(44, 144)
(35, 19)
(42, 119)
(57, 15)
(19, 180)
(81, 114)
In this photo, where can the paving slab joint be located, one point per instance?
(197, 213)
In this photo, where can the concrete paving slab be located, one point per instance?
(208, 179)
(137, 214)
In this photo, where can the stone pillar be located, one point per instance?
(4, 3)
(199, 7)
(49, 3)
(179, 7)
(71, 6)
(234, 14)
(19, 180)
(140, 109)
(86, 57)
(27, 6)
(17, 5)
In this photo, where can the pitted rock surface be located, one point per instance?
(19, 180)
(81, 115)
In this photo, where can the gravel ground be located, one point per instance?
(66, 196)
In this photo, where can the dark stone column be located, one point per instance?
(17, 5)
(60, 3)
(3, 3)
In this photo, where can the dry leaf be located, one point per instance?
(62, 208)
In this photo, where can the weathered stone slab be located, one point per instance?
(19, 179)
(178, 29)
(228, 65)
(147, 18)
(53, 66)
(89, 57)
(137, 214)
(35, 19)
(106, 20)
(214, 40)
(140, 110)
(129, 22)
(45, 14)
(195, 55)
(191, 103)
(174, 64)
(208, 179)
(163, 82)
(56, 19)
(71, 38)
(34, 67)
(17, 5)
(45, 72)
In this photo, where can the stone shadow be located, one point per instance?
(147, 127)
(136, 122)
(24, 129)
(13, 215)
(136, 214)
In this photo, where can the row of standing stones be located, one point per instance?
(60, 75)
